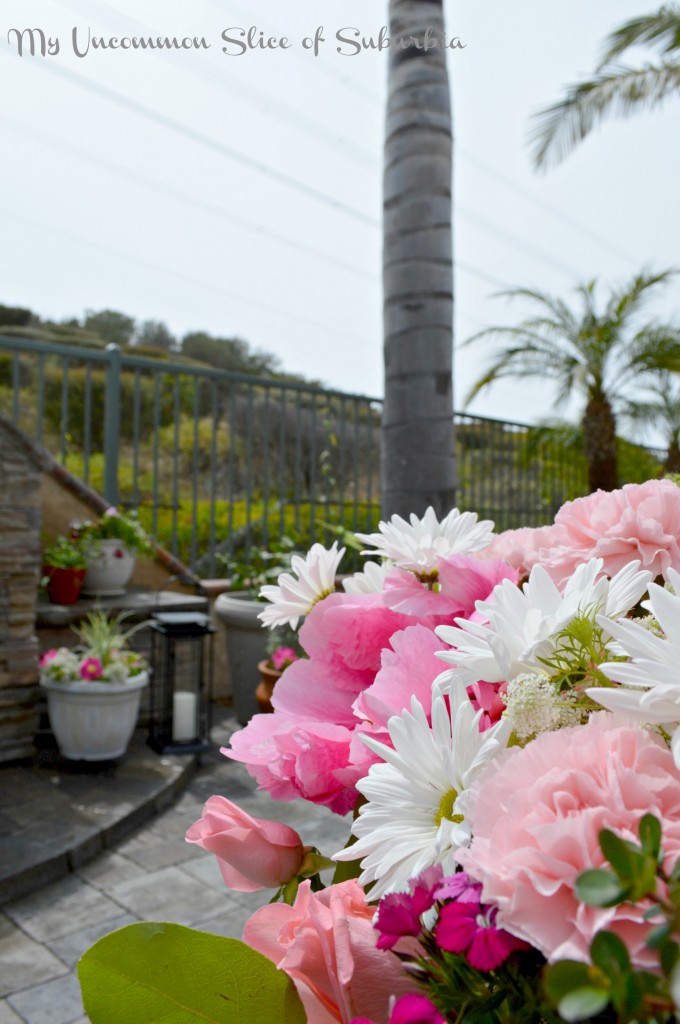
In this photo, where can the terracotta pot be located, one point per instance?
(263, 693)
(63, 585)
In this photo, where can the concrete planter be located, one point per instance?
(93, 721)
(246, 646)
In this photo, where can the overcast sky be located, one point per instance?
(240, 193)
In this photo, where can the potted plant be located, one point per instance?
(94, 690)
(238, 611)
(64, 567)
(282, 651)
(112, 544)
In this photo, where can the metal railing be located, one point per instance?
(217, 462)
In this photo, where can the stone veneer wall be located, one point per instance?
(20, 550)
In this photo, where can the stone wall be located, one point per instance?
(20, 550)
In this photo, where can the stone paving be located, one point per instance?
(153, 875)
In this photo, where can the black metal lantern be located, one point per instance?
(181, 684)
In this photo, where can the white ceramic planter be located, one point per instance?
(94, 721)
(109, 568)
(246, 646)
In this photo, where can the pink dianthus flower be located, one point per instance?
(91, 668)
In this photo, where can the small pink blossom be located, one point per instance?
(48, 656)
(536, 815)
(399, 913)
(327, 944)
(410, 1009)
(252, 853)
(282, 657)
(91, 668)
(469, 927)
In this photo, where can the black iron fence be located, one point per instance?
(217, 462)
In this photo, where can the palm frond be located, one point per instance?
(618, 92)
(626, 299)
(662, 27)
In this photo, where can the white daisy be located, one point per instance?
(651, 691)
(418, 544)
(370, 581)
(295, 596)
(522, 624)
(417, 799)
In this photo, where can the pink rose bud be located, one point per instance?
(252, 853)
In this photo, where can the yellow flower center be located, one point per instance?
(446, 808)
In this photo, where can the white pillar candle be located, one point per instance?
(183, 717)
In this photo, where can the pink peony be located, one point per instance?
(408, 668)
(295, 757)
(461, 582)
(639, 521)
(252, 854)
(536, 814)
(327, 944)
(91, 668)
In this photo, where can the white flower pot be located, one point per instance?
(93, 721)
(109, 568)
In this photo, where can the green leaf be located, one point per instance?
(674, 986)
(609, 953)
(650, 835)
(599, 888)
(562, 978)
(623, 857)
(583, 1003)
(154, 972)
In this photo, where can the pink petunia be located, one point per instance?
(536, 815)
(91, 668)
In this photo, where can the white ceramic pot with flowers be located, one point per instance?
(112, 545)
(94, 690)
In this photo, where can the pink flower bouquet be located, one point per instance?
(501, 714)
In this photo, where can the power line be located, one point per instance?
(180, 195)
(208, 142)
(187, 279)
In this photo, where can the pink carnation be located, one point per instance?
(327, 944)
(637, 522)
(522, 548)
(536, 814)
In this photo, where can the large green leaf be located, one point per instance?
(152, 972)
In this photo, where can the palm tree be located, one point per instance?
(417, 463)
(662, 412)
(603, 356)
(615, 90)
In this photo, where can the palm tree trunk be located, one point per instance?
(672, 463)
(418, 460)
(599, 438)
